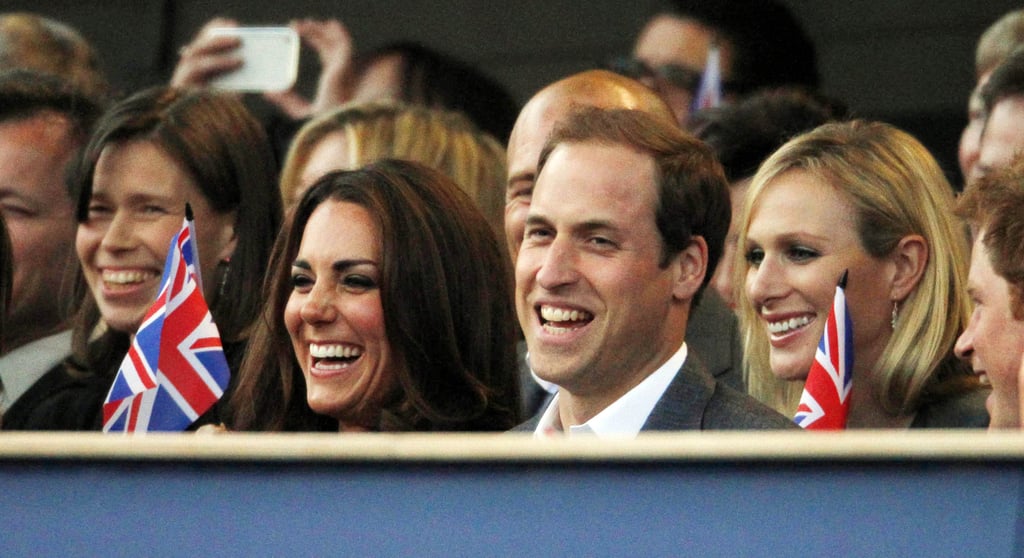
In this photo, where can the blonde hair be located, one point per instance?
(897, 189)
(444, 140)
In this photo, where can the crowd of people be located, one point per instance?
(411, 251)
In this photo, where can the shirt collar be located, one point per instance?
(22, 367)
(626, 415)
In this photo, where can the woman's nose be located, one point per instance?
(318, 307)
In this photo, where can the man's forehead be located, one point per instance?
(48, 128)
(40, 115)
(981, 255)
(616, 169)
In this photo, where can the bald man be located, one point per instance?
(712, 332)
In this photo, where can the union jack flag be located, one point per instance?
(826, 395)
(175, 369)
(709, 92)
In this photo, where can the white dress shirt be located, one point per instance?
(626, 415)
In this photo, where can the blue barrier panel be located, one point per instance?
(509, 505)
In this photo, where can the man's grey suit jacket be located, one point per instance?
(697, 401)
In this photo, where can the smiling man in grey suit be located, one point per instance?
(712, 332)
(627, 217)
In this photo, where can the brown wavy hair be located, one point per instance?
(447, 300)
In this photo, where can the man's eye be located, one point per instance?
(537, 233)
(519, 189)
(519, 193)
(16, 212)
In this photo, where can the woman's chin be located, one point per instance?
(790, 371)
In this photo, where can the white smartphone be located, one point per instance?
(270, 59)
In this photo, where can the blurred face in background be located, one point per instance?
(675, 49)
(1002, 140)
(530, 133)
(331, 153)
(721, 281)
(34, 153)
(970, 139)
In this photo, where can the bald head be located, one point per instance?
(596, 88)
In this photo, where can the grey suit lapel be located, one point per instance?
(682, 405)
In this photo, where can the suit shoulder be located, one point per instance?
(530, 425)
(730, 409)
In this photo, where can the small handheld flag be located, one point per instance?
(709, 92)
(175, 369)
(826, 396)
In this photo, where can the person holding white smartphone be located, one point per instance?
(215, 53)
(403, 71)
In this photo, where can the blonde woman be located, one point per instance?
(355, 135)
(867, 198)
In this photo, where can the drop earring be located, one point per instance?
(895, 314)
(223, 267)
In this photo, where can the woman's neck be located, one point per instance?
(866, 411)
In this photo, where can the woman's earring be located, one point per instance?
(223, 267)
(895, 314)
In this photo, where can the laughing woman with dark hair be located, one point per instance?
(388, 309)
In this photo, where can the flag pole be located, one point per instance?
(190, 220)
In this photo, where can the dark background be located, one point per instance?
(906, 62)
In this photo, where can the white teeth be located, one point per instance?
(126, 277)
(983, 379)
(787, 325)
(556, 330)
(333, 351)
(552, 314)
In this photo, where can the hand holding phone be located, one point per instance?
(269, 55)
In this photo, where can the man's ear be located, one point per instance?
(910, 258)
(689, 267)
